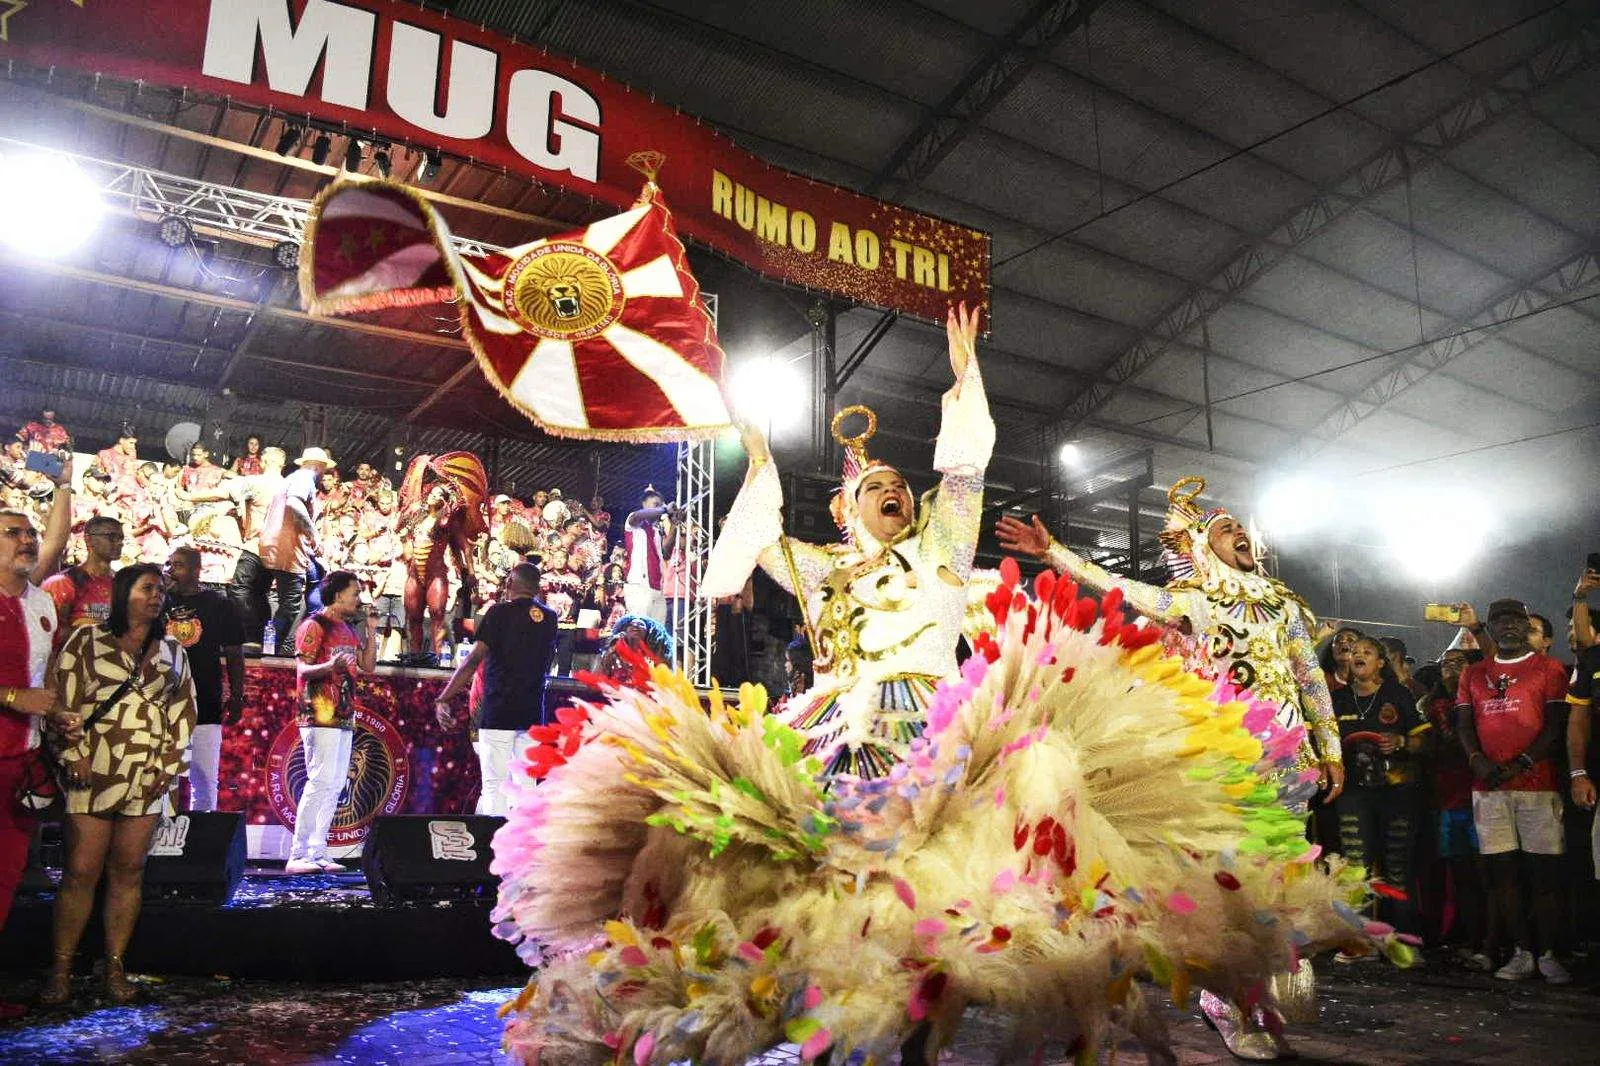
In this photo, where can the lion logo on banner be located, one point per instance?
(564, 291)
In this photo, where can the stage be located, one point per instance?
(286, 928)
(401, 761)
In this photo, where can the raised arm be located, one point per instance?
(1032, 539)
(961, 454)
(753, 535)
(57, 527)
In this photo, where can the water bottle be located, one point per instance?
(269, 640)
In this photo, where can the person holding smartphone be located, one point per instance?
(329, 655)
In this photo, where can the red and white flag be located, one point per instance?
(599, 333)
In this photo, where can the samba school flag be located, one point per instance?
(599, 333)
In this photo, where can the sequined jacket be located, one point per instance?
(892, 611)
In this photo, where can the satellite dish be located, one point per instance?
(180, 438)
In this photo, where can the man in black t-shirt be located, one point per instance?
(207, 625)
(515, 642)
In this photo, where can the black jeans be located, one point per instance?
(248, 590)
(1378, 829)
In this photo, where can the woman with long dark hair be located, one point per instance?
(1382, 734)
(130, 684)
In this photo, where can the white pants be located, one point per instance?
(327, 754)
(641, 599)
(205, 755)
(494, 769)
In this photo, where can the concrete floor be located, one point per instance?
(1371, 1014)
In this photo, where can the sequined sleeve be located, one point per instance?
(1316, 704)
(1152, 601)
(961, 456)
(751, 536)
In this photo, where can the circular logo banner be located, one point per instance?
(376, 781)
(564, 291)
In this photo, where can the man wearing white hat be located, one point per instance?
(289, 539)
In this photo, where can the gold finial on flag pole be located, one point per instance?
(648, 163)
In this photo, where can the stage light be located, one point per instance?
(286, 254)
(1295, 505)
(352, 156)
(320, 148)
(769, 393)
(50, 206)
(380, 160)
(289, 139)
(175, 231)
(1071, 455)
(1430, 540)
(428, 169)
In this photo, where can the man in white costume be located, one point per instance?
(884, 610)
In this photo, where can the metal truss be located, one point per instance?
(1404, 156)
(1573, 275)
(221, 209)
(984, 86)
(695, 633)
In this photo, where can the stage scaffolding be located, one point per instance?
(694, 627)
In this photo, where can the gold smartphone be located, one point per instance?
(1442, 612)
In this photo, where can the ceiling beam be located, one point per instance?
(211, 299)
(444, 388)
(987, 83)
(1399, 160)
(250, 150)
(1575, 274)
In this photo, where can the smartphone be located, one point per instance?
(47, 463)
(1594, 561)
(1442, 612)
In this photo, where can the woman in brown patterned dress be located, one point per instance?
(119, 771)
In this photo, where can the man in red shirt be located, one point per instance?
(1510, 709)
(83, 592)
(27, 624)
(44, 434)
(330, 656)
(201, 473)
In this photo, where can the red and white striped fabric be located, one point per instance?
(599, 333)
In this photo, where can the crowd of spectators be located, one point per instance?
(131, 510)
(1468, 787)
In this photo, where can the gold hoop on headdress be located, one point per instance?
(859, 441)
(1177, 496)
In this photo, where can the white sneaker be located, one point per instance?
(1520, 968)
(1552, 971)
(306, 866)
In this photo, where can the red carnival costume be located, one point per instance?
(441, 508)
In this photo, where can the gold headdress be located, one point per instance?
(853, 470)
(1187, 550)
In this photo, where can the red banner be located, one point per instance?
(420, 78)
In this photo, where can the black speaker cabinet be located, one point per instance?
(410, 857)
(196, 856)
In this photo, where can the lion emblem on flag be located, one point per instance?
(564, 292)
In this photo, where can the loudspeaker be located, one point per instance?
(429, 857)
(196, 856)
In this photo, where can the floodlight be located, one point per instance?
(1432, 542)
(50, 208)
(352, 155)
(768, 392)
(1295, 505)
(289, 139)
(1071, 454)
(428, 169)
(380, 160)
(320, 148)
(175, 231)
(286, 254)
